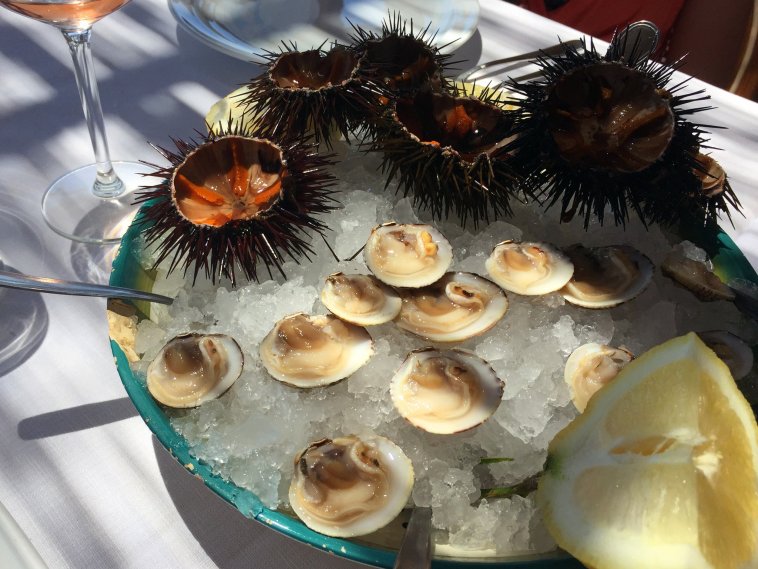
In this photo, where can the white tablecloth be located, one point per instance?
(79, 471)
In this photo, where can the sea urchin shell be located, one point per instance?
(235, 179)
(599, 135)
(234, 201)
(314, 90)
(447, 152)
(609, 117)
(401, 59)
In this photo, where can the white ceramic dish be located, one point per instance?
(245, 28)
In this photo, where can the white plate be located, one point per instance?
(244, 28)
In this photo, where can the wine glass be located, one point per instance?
(92, 204)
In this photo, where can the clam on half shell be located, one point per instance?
(194, 368)
(407, 255)
(445, 391)
(456, 307)
(605, 277)
(529, 267)
(360, 299)
(590, 367)
(731, 349)
(350, 486)
(304, 350)
(696, 277)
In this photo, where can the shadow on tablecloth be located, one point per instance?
(75, 419)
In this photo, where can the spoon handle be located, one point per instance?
(57, 286)
(636, 42)
(416, 549)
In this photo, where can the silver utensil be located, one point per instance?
(416, 549)
(520, 60)
(58, 286)
(637, 41)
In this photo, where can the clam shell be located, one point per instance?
(395, 470)
(407, 255)
(360, 299)
(696, 277)
(529, 267)
(590, 367)
(457, 307)
(307, 351)
(194, 368)
(605, 277)
(467, 396)
(732, 350)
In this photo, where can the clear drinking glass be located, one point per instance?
(91, 204)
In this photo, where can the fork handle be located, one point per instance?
(552, 50)
(416, 549)
(57, 286)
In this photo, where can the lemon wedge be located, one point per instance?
(230, 108)
(661, 470)
(473, 89)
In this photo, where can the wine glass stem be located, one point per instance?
(107, 183)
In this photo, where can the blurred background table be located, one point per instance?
(81, 474)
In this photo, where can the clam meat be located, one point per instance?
(360, 299)
(194, 368)
(606, 276)
(407, 255)
(590, 367)
(529, 268)
(456, 307)
(350, 485)
(445, 391)
(305, 350)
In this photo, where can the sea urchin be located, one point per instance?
(310, 91)
(599, 134)
(447, 153)
(400, 58)
(234, 201)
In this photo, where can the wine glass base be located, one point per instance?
(73, 211)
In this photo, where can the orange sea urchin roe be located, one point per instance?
(458, 121)
(232, 178)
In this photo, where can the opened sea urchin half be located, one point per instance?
(234, 202)
(400, 59)
(447, 153)
(310, 91)
(600, 136)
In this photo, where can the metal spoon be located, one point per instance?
(416, 549)
(636, 42)
(57, 286)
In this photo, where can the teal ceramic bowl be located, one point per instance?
(729, 263)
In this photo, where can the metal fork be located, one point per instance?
(521, 60)
(58, 286)
(635, 42)
(416, 549)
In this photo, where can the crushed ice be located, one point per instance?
(252, 433)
